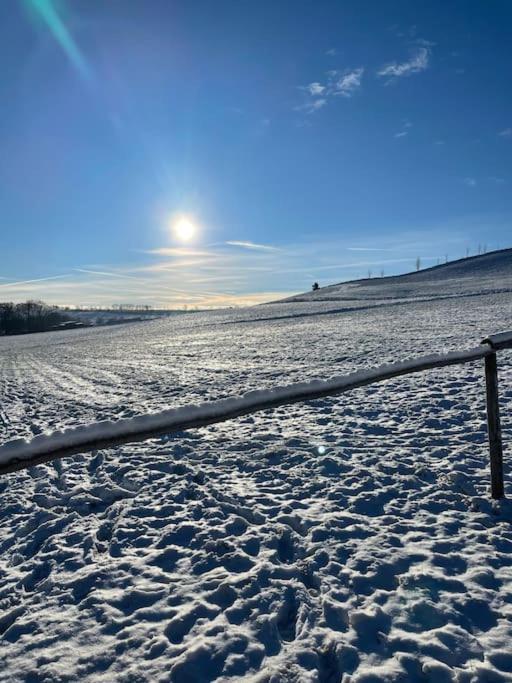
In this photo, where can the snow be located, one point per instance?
(343, 539)
(127, 430)
(500, 340)
(489, 273)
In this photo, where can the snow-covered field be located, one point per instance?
(348, 539)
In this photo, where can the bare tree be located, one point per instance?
(418, 263)
(31, 316)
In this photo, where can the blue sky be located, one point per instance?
(305, 141)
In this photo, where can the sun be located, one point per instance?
(183, 229)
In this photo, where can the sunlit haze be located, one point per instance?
(209, 154)
(183, 229)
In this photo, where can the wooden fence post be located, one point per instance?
(494, 426)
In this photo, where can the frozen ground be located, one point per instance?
(491, 272)
(350, 539)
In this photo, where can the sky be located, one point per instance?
(194, 153)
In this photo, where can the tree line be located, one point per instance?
(30, 316)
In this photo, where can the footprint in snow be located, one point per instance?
(179, 627)
(285, 548)
(287, 616)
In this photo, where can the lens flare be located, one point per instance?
(47, 11)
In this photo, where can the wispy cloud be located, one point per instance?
(338, 83)
(178, 251)
(505, 133)
(103, 272)
(470, 182)
(311, 107)
(365, 264)
(172, 266)
(405, 129)
(251, 245)
(370, 249)
(314, 88)
(425, 43)
(356, 265)
(239, 273)
(418, 62)
(347, 83)
(38, 279)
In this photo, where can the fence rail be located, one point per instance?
(20, 454)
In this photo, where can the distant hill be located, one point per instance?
(486, 273)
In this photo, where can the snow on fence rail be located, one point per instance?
(20, 453)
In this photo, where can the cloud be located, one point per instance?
(251, 245)
(338, 83)
(348, 83)
(246, 275)
(311, 107)
(241, 272)
(370, 249)
(470, 182)
(314, 88)
(332, 52)
(356, 265)
(178, 251)
(418, 62)
(103, 272)
(426, 43)
(405, 126)
(172, 266)
(506, 133)
(27, 282)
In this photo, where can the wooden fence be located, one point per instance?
(21, 454)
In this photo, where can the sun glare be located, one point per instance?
(183, 229)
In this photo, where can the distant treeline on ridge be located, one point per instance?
(30, 316)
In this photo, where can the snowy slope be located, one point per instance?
(345, 539)
(489, 272)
